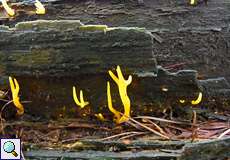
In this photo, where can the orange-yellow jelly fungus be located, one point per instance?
(14, 86)
(122, 87)
(198, 100)
(40, 9)
(80, 103)
(9, 10)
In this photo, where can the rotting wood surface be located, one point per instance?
(197, 36)
(175, 34)
(193, 37)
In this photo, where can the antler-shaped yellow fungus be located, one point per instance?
(198, 100)
(14, 86)
(9, 10)
(80, 103)
(40, 9)
(122, 87)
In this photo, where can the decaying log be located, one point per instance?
(196, 36)
(55, 55)
(206, 150)
(68, 48)
(148, 155)
(212, 149)
(48, 56)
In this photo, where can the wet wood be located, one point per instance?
(65, 48)
(212, 149)
(208, 149)
(104, 155)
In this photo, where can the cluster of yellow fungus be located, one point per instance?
(14, 86)
(122, 87)
(194, 102)
(40, 9)
(82, 102)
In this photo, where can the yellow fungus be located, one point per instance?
(40, 9)
(14, 86)
(9, 10)
(192, 2)
(80, 103)
(198, 100)
(164, 89)
(100, 116)
(181, 100)
(122, 87)
(110, 105)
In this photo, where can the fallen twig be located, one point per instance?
(224, 133)
(162, 120)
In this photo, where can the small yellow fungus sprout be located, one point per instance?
(122, 87)
(100, 116)
(40, 9)
(181, 100)
(80, 103)
(9, 10)
(198, 100)
(14, 86)
(192, 2)
(164, 89)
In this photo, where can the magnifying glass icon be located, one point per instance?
(9, 147)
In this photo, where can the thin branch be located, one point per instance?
(162, 120)
(118, 135)
(149, 129)
(2, 119)
(224, 133)
(132, 135)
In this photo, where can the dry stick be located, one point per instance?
(70, 139)
(148, 128)
(18, 135)
(118, 135)
(134, 125)
(194, 128)
(4, 100)
(162, 120)
(136, 134)
(224, 133)
(155, 125)
(2, 125)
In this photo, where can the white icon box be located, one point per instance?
(10, 149)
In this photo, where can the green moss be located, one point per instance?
(36, 57)
(3, 27)
(48, 24)
(94, 28)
